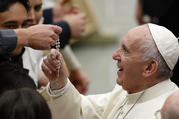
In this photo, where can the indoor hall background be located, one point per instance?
(114, 18)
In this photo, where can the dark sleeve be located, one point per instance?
(47, 14)
(156, 8)
(65, 35)
(8, 41)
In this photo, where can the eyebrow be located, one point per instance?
(10, 22)
(14, 22)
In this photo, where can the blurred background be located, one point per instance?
(107, 22)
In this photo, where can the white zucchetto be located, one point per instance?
(166, 43)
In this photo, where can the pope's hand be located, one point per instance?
(50, 68)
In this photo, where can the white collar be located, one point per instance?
(154, 91)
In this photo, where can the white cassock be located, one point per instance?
(118, 104)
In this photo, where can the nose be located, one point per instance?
(32, 16)
(19, 26)
(116, 55)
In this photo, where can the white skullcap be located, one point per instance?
(166, 43)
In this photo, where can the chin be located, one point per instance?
(119, 81)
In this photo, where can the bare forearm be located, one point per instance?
(40, 37)
(22, 36)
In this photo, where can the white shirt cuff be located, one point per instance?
(57, 93)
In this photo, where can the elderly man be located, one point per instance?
(145, 61)
(170, 108)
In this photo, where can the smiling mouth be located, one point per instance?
(120, 69)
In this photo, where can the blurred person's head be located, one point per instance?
(12, 76)
(170, 108)
(141, 62)
(35, 13)
(23, 103)
(13, 15)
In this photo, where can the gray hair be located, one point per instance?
(150, 51)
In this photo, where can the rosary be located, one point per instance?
(55, 83)
(58, 49)
(125, 102)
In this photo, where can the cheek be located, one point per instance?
(131, 69)
(38, 16)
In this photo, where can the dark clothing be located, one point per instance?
(48, 16)
(18, 58)
(14, 76)
(15, 59)
(8, 41)
(156, 8)
(166, 11)
(167, 14)
(171, 18)
(66, 33)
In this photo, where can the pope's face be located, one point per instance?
(129, 61)
(14, 17)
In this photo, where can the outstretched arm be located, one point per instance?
(37, 37)
(65, 101)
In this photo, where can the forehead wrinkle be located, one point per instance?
(140, 34)
(136, 36)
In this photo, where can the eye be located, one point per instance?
(125, 50)
(37, 8)
(27, 23)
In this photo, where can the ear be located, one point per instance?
(150, 68)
